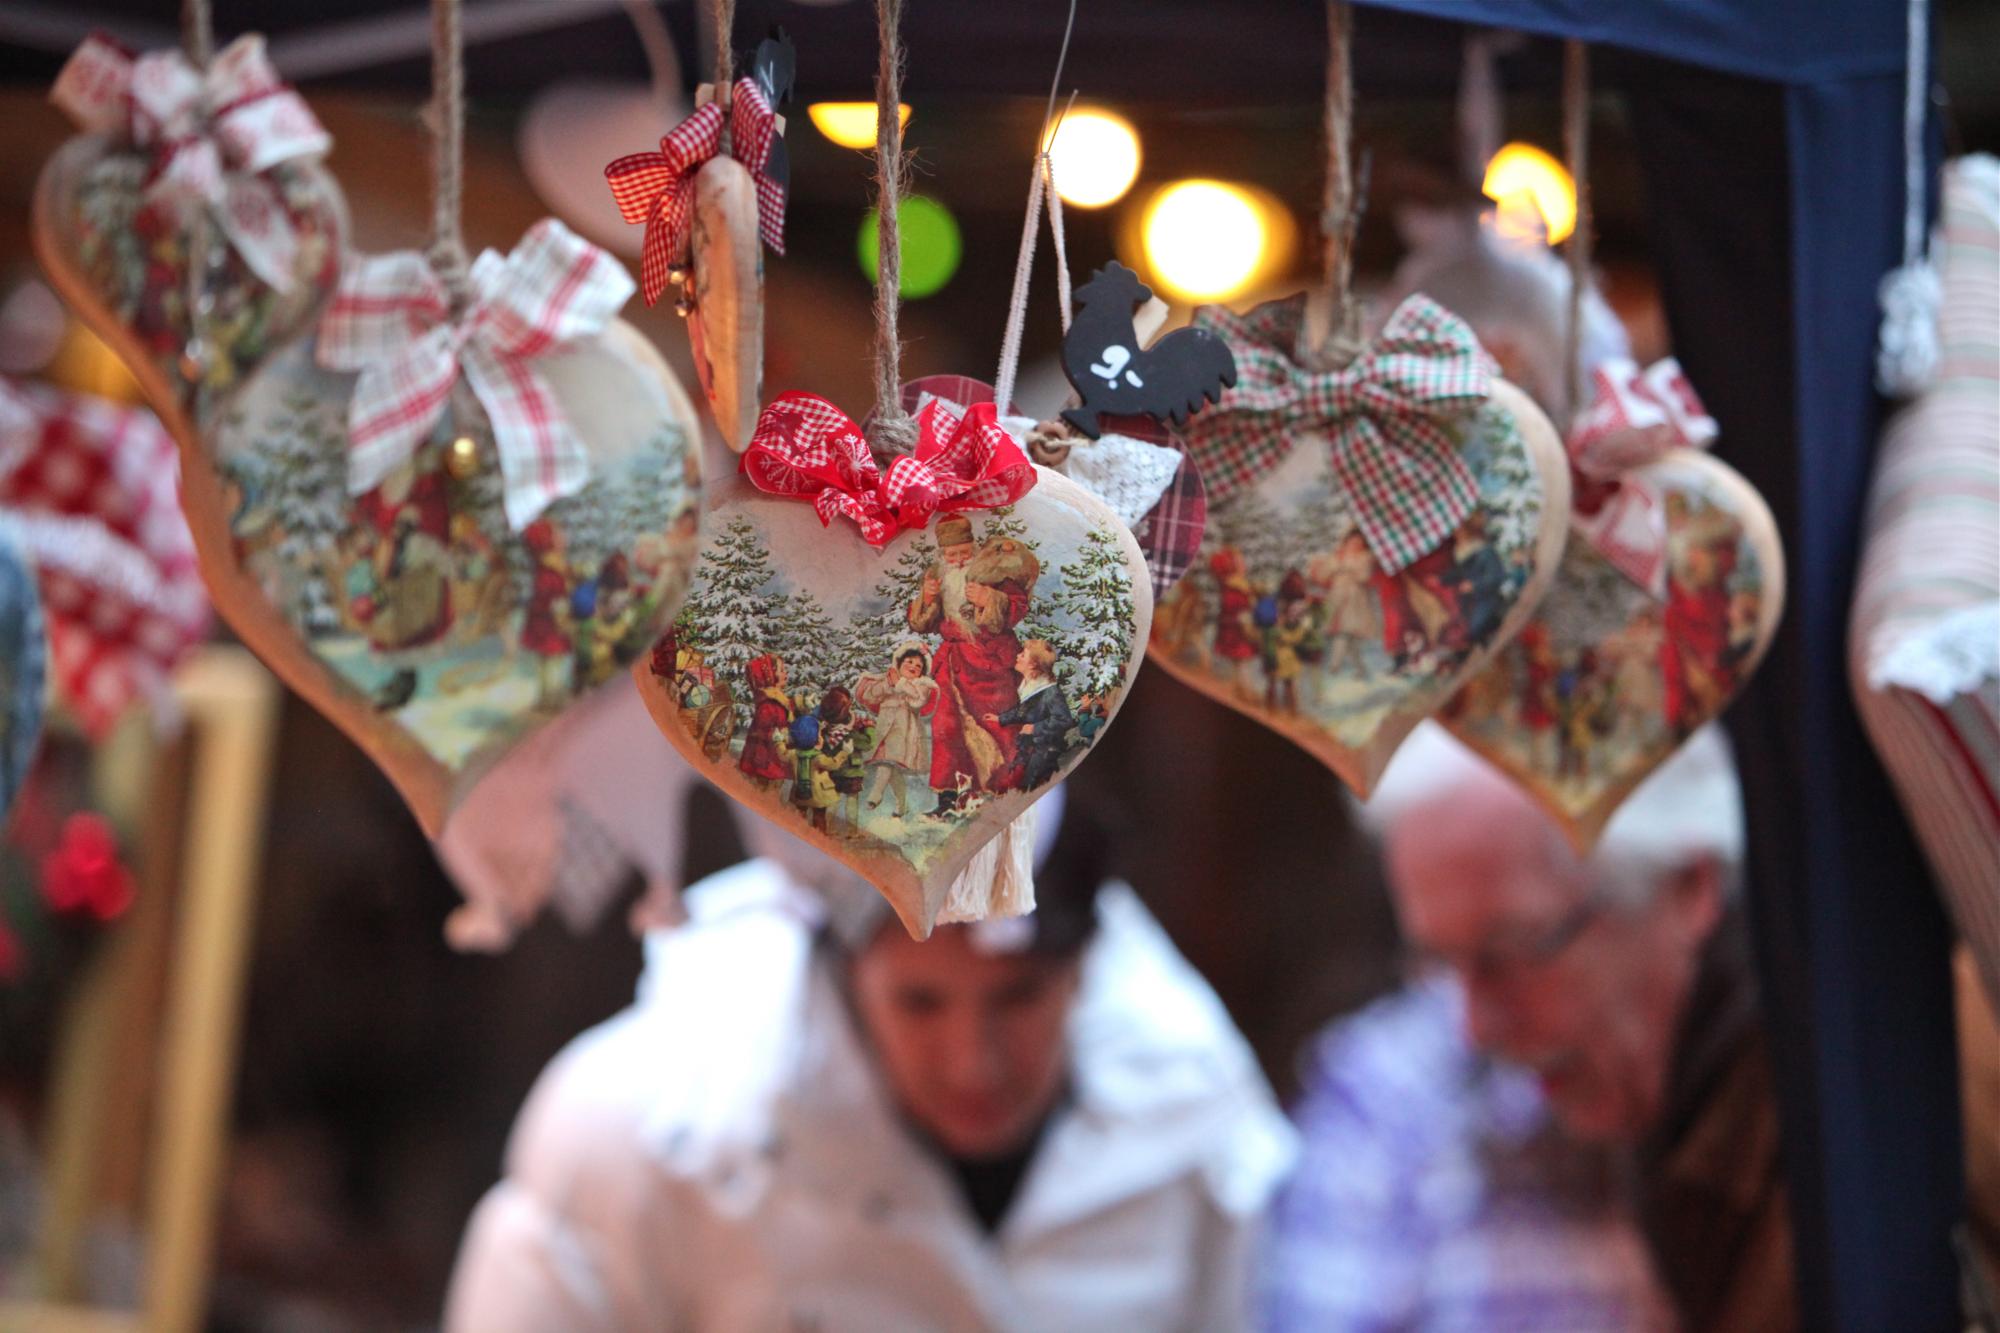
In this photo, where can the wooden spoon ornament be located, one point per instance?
(192, 226)
(711, 199)
(1375, 532)
(1666, 599)
(891, 689)
(441, 528)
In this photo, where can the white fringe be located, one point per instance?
(999, 881)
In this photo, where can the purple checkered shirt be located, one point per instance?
(1434, 1195)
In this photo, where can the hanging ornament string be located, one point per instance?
(1908, 351)
(1576, 141)
(447, 111)
(891, 431)
(198, 40)
(1340, 215)
(197, 33)
(1041, 185)
(722, 22)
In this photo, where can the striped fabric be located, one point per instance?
(1925, 638)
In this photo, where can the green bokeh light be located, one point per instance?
(931, 246)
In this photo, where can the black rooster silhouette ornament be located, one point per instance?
(1116, 377)
(773, 67)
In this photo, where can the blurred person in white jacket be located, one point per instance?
(810, 1121)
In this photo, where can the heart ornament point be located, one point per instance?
(1294, 613)
(899, 706)
(198, 253)
(1609, 676)
(413, 614)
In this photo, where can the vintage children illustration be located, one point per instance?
(885, 698)
(1287, 614)
(1606, 679)
(417, 594)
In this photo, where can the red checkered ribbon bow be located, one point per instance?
(390, 322)
(212, 135)
(658, 188)
(1390, 416)
(1634, 418)
(807, 448)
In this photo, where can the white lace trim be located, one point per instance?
(1953, 657)
(1129, 475)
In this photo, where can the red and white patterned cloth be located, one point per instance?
(88, 489)
(212, 134)
(390, 322)
(658, 188)
(1635, 416)
(807, 448)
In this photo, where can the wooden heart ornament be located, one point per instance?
(711, 199)
(193, 228)
(442, 531)
(1668, 594)
(897, 695)
(1374, 533)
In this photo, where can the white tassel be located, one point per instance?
(1908, 355)
(999, 881)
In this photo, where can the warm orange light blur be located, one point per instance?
(850, 124)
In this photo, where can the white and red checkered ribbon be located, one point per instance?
(807, 448)
(1392, 416)
(212, 134)
(87, 491)
(1634, 418)
(658, 188)
(390, 321)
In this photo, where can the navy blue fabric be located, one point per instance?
(1784, 41)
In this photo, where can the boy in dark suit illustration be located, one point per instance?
(1042, 719)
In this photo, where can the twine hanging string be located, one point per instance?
(891, 431)
(197, 33)
(1340, 215)
(204, 254)
(1576, 140)
(447, 112)
(722, 19)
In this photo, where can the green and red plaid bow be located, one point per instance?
(1389, 416)
(807, 449)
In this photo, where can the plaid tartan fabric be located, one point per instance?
(807, 448)
(1388, 414)
(89, 491)
(1170, 534)
(658, 188)
(389, 323)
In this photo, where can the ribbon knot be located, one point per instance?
(658, 188)
(212, 134)
(391, 323)
(1634, 418)
(806, 448)
(1391, 417)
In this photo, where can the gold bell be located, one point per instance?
(462, 458)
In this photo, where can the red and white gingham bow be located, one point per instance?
(658, 188)
(1634, 419)
(211, 133)
(390, 321)
(806, 447)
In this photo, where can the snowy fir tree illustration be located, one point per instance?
(295, 479)
(1092, 609)
(729, 616)
(1037, 621)
(1319, 520)
(1249, 523)
(1508, 482)
(885, 619)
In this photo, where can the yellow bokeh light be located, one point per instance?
(1205, 240)
(1094, 157)
(850, 124)
(1534, 194)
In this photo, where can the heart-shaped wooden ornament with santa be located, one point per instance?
(192, 226)
(1375, 532)
(900, 665)
(1666, 599)
(442, 528)
(712, 198)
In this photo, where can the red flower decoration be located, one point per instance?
(84, 873)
